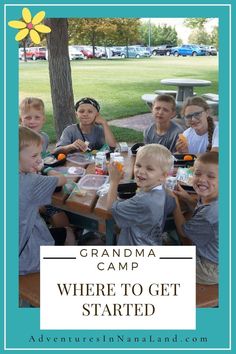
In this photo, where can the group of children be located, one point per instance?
(142, 218)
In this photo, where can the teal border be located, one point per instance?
(20, 323)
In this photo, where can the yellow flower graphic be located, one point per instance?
(30, 26)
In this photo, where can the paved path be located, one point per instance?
(139, 122)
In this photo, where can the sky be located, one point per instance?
(182, 31)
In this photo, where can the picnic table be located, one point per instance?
(89, 211)
(185, 89)
(185, 86)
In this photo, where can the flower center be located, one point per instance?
(30, 26)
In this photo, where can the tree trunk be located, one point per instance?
(60, 74)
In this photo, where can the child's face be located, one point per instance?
(33, 119)
(198, 121)
(148, 173)
(86, 113)
(205, 180)
(30, 158)
(163, 112)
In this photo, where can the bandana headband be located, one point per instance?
(87, 100)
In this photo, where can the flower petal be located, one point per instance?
(35, 36)
(21, 34)
(38, 17)
(26, 14)
(42, 28)
(17, 24)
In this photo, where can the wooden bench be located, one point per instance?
(29, 289)
(206, 295)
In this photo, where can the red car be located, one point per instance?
(34, 53)
(88, 52)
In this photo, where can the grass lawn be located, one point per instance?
(117, 84)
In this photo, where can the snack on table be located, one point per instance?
(61, 156)
(183, 139)
(49, 160)
(188, 158)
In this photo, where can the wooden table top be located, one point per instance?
(90, 202)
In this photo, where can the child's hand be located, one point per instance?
(79, 145)
(100, 120)
(181, 146)
(181, 193)
(115, 174)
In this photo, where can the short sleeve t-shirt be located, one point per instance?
(169, 139)
(198, 143)
(202, 229)
(71, 133)
(141, 218)
(35, 190)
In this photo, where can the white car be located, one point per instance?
(75, 53)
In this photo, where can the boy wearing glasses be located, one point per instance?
(202, 134)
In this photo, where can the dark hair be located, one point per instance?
(165, 98)
(199, 101)
(87, 100)
(209, 157)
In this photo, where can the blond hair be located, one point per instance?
(31, 102)
(28, 137)
(161, 154)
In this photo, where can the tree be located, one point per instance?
(159, 34)
(195, 23)
(199, 36)
(91, 31)
(214, 37)
(103, 31)
(60, 74)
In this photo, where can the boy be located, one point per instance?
(163, 131)
(91, 132)
(202, 227)
(142, 218)
(35, 190)
(32, 115)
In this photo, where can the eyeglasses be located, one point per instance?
(195, 115)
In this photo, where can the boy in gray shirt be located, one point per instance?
(202, 227)
(91, 132)
(163, 131)
(35, 190)
(142, 218)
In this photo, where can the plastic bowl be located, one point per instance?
(135, 147)
(180, 162)
(55, 162)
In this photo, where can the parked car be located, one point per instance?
(20, 52)
(87, 51)
(210, 50)
(164, 49)
(116, 51)
(135, 52)
(188, 49)
(34, 53)
(100, 52)
(75, 53)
